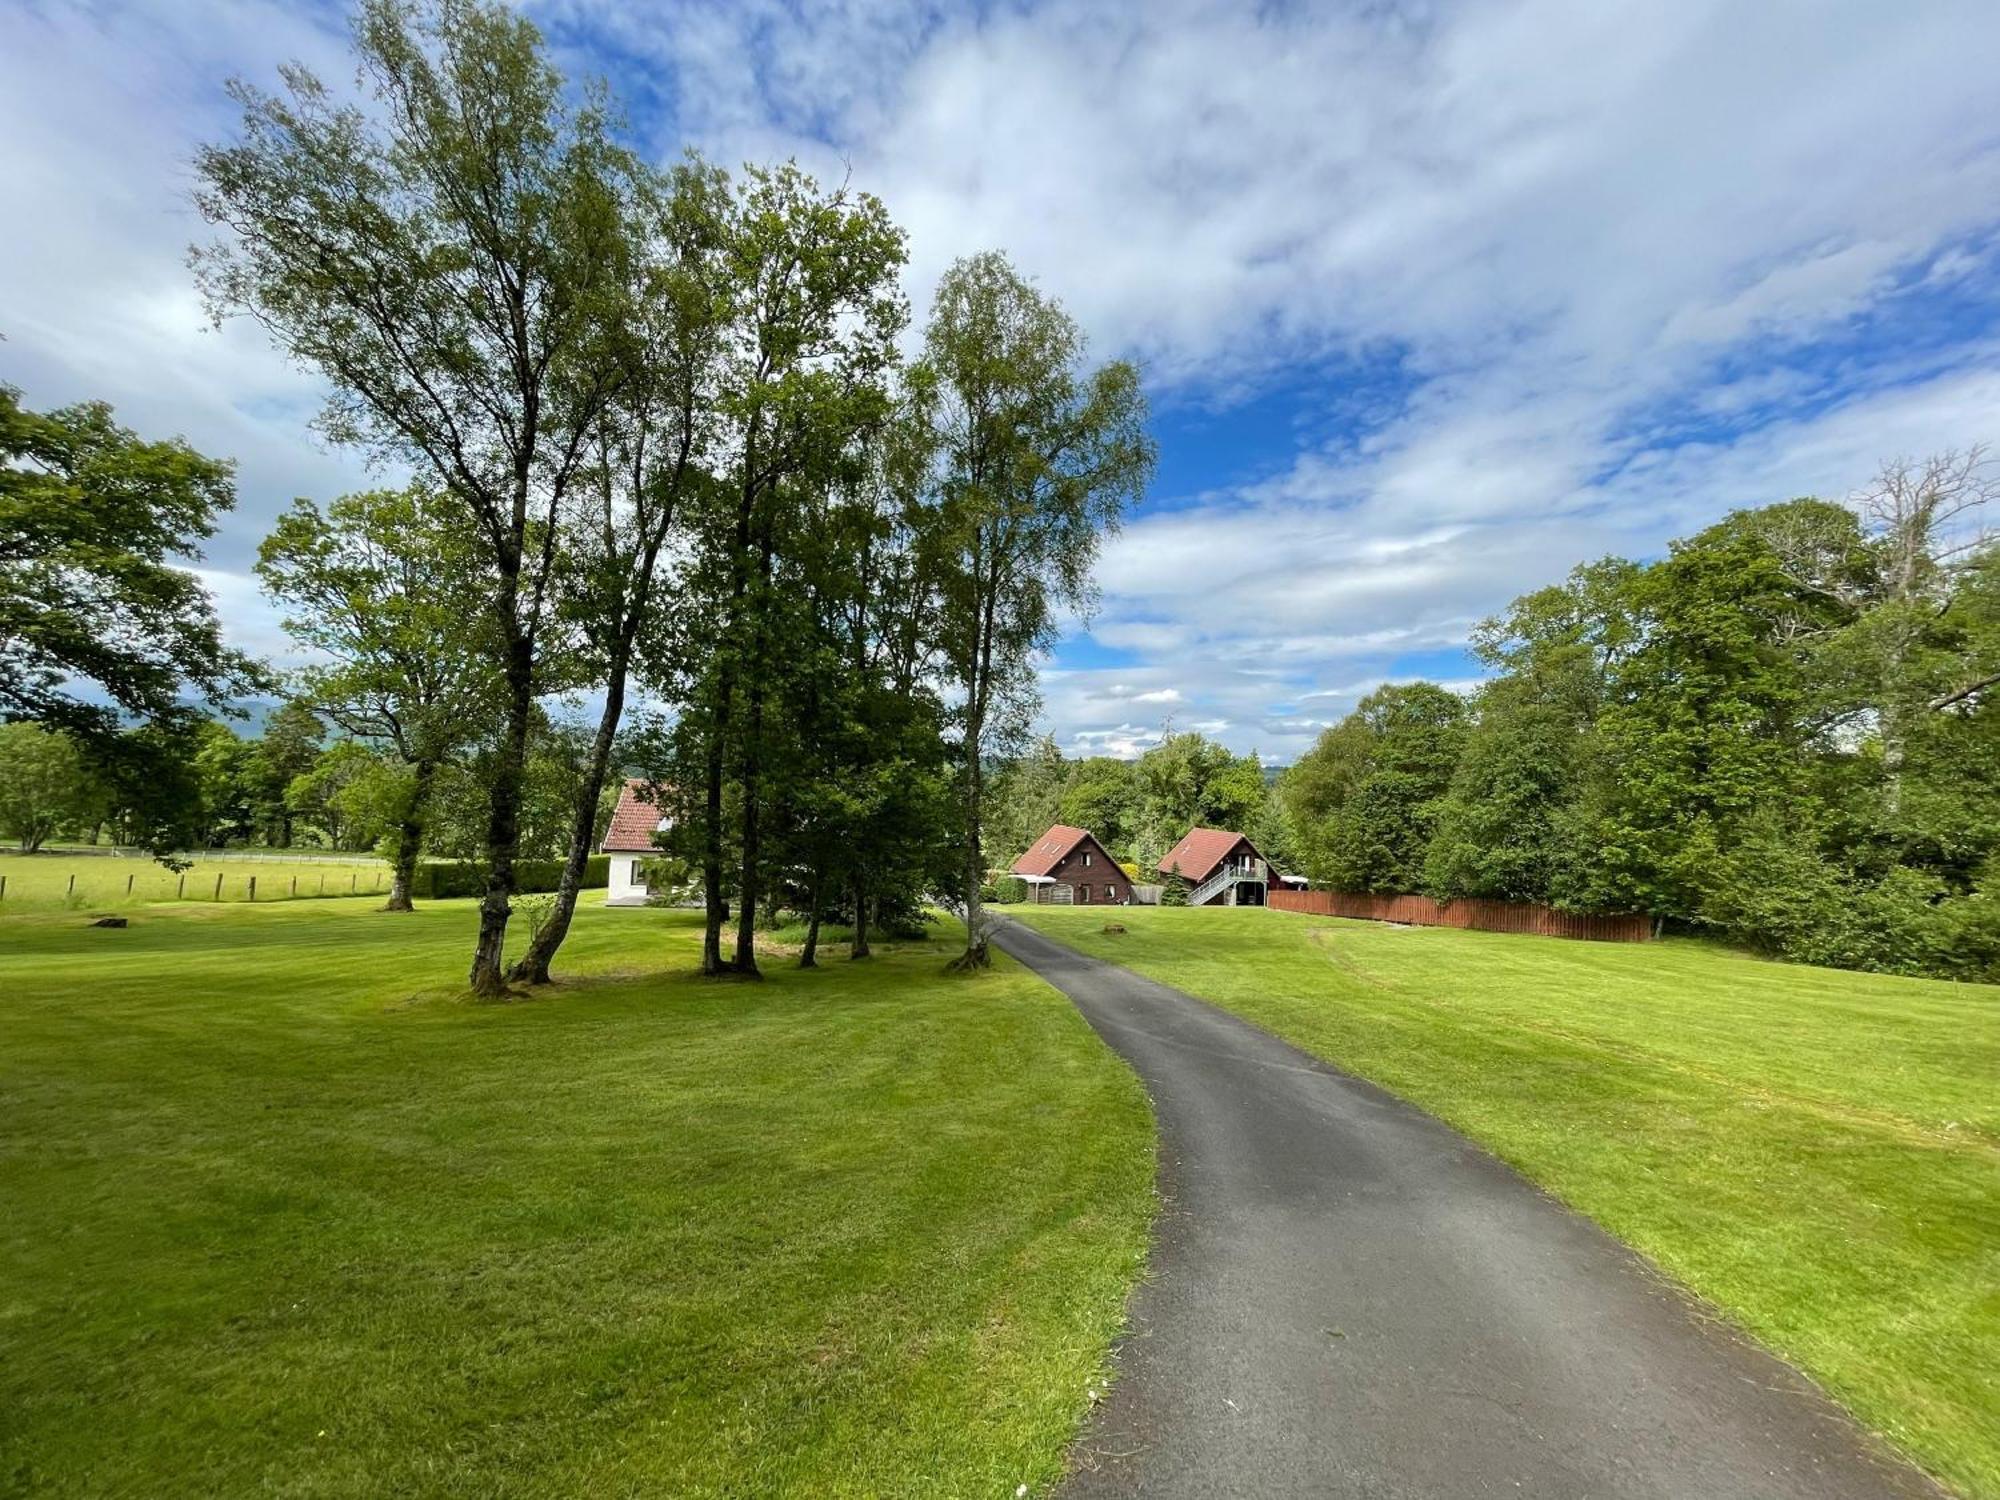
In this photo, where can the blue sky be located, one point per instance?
(1433, 300)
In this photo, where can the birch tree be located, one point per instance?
(448, 254)
(1031, 458)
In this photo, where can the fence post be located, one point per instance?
(295, 885)
(322, 882)
(128, 882)
(218, 887)
(351, 879)
(181, 890)
(253, 887)
(3, 887)
(72, 885)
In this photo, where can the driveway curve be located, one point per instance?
(1347, 1298)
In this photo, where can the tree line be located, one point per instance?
(1783, 732)
(661, 435)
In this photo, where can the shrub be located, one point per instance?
(441, 880)
(670, 881)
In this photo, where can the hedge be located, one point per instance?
(446, 878)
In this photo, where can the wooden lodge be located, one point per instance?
(1068, 867)
(1221, 868)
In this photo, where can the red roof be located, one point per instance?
(1199, 852)
(633, 822)
(1047, 851)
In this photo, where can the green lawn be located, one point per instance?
(282, 1213)
(1817, 1152)
(64, 880)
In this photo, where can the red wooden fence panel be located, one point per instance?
(1482, 916)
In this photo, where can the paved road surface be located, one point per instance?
(1349, 1299)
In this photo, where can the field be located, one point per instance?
(88, 882)
(286, 1213)
(1815, 1152)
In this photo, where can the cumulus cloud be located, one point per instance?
(102, 108)
(1630, 266)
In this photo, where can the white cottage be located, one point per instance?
(629, 843)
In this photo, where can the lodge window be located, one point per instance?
(1111, 893)
(1086, 861)
(1083, 894)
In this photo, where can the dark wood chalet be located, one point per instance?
(1221, 867)
(1068, 867)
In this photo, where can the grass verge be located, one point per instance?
(285, 1214)
(1816, 1152)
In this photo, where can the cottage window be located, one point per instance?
(1086, 859)
(1111, 893)
(1083, 894)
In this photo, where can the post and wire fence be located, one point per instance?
(24, 886)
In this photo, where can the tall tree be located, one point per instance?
(387, 586)
(1031, 460)
(651, 450)
(1923, 522)
(289, 747)
(92, 521)
(1384, 771)
(810, 341)
(452, 261)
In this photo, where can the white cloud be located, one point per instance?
(1573, 228)
(102, 108)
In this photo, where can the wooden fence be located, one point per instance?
(1482, 916)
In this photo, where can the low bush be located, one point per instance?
(443, 879)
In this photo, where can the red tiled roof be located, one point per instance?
(1199, 852)
(633, 822)
(1047, 851)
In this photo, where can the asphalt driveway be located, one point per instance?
(1348, 1298)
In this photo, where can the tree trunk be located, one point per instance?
(410, 839)
(975, 955)
(745, 960)
(859, 948)
(503, 822)
(810, 958)
(716, 912)
(1894, 739)
(533, 966)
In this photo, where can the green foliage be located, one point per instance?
(44, 784)
(1508, 827)
(1139, 809)
(1367, 797)
(386, 586)
(1031, 459)
(89, 516)
(443, 879)
(1008, 890)
(1783, 732)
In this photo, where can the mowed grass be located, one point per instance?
(284, 1213)
(1816, 1152)
(111, 882)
